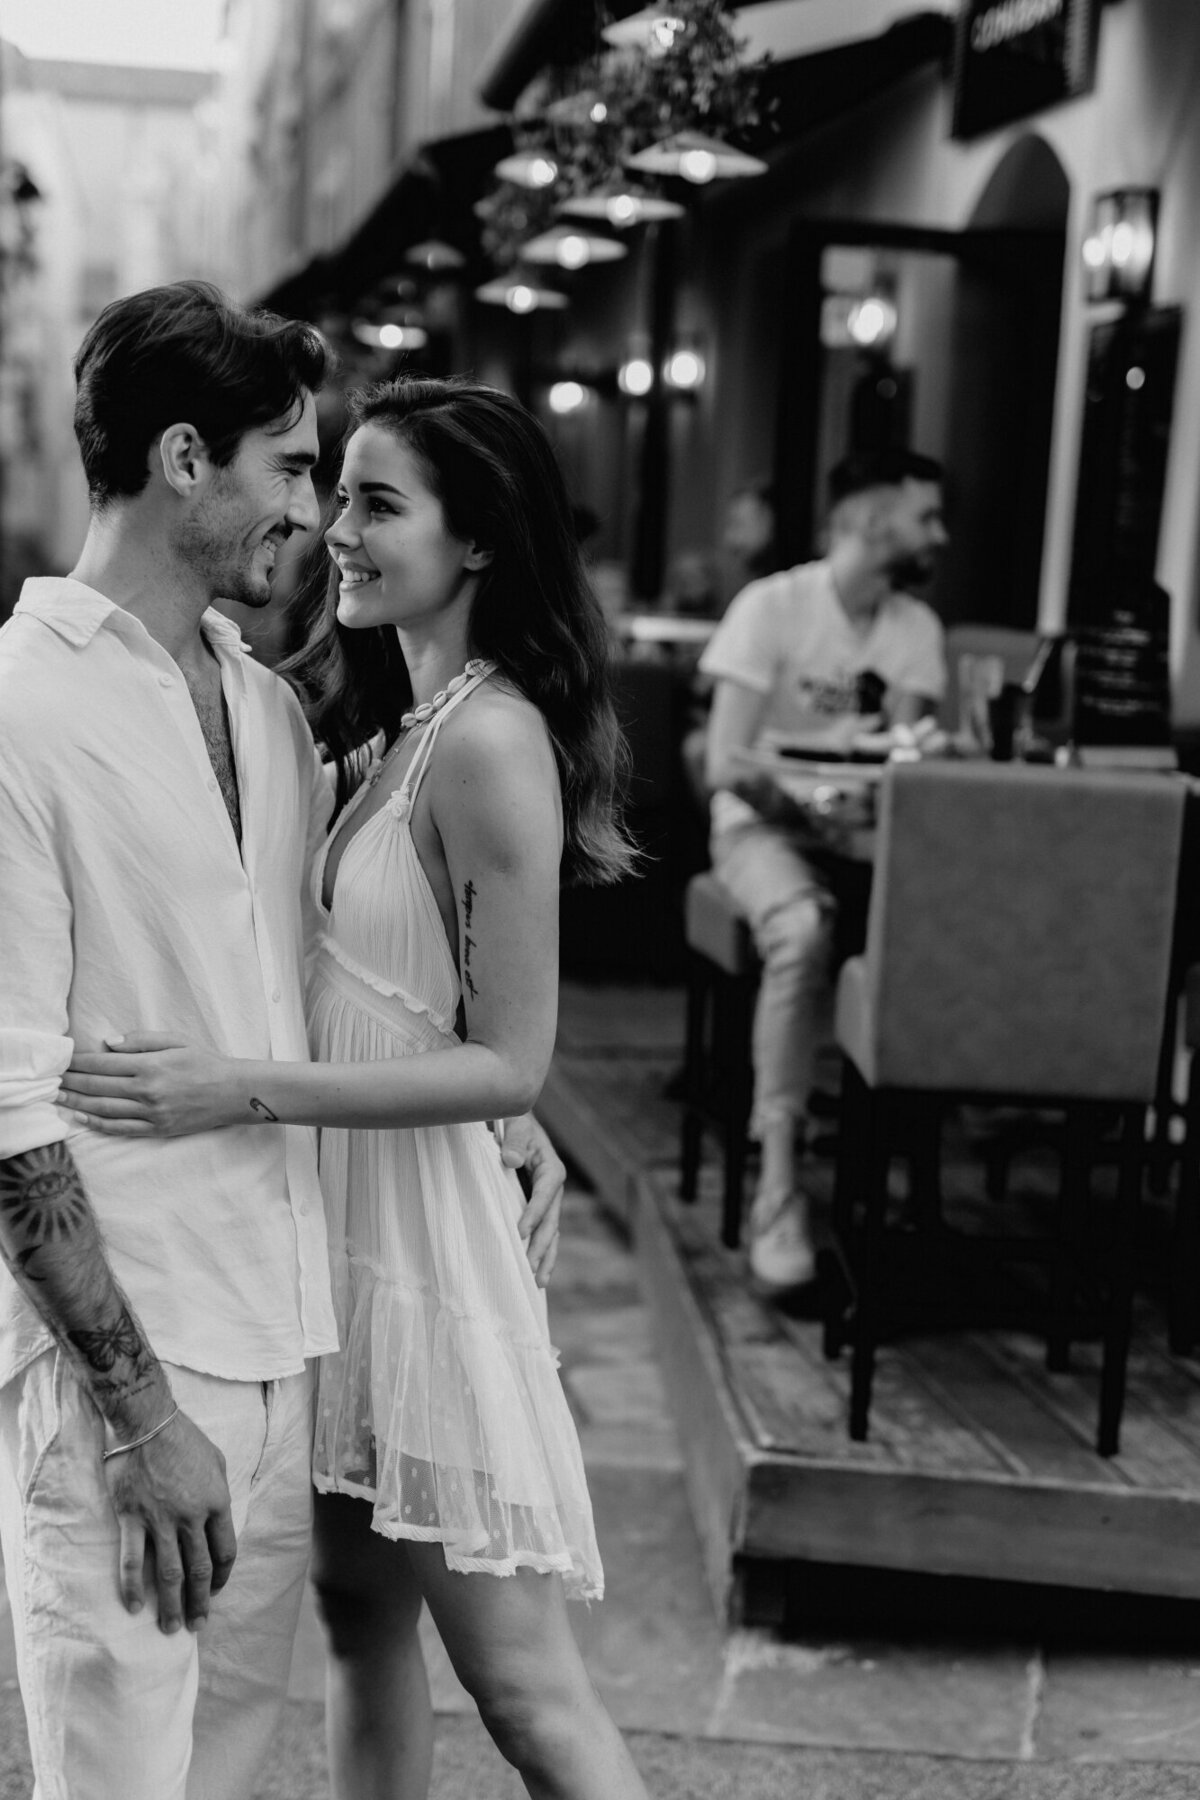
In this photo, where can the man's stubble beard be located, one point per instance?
(908, 572)
(204, 546)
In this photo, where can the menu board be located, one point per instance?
(1118, 614)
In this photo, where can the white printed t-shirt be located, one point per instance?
(789, 637)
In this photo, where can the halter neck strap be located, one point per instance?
(420, 762)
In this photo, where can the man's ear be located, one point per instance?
(477, 558)
(184, 458)
(878, 509)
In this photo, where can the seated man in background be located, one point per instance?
(794, 653)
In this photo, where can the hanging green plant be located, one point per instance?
(589, 119)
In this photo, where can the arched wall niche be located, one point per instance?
(1028, 190)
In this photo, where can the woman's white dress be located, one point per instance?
(444, 1407)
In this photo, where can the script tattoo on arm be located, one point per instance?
(52, 1247)
(469, 896)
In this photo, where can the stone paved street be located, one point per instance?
(874, 1706)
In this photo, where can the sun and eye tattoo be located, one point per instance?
(43, 1208)
(41, 1201)
(470, 894)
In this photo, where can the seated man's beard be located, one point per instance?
(910, 572)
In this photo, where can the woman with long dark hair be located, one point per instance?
(461, 642)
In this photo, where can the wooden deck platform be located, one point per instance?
(979, 1463)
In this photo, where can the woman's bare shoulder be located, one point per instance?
(495, 728)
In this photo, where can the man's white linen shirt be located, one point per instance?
(125, 905)
(789, 638)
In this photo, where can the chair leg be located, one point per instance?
(735, 1029)
(1073, 1188)
(925, 1165)
(1119, 1321)
(1182, 1329)
(1160, 1156)
(850, 1169)
(848, 1179)
(693, 1080)
(870, 1261)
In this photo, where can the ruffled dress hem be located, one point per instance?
(563, 1564)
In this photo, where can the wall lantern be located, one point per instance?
(871, 321)
(653, 30)
(622, 207)
(568, 396)
(636, 377)
(571, 249)
(684, 371)
(520, 296)
(1118, 252)
(528, 168)
(696, 158)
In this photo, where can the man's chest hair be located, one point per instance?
(209, 701)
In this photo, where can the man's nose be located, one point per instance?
(304, 514)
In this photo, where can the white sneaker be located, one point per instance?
(781, 1252)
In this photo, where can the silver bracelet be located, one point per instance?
(137, 1443)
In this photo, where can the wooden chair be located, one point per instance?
(722, 980)
(1018, 952)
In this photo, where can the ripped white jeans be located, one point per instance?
(790, 910)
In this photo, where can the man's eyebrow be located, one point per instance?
(298, 459)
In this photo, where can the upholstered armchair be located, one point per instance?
(1018, 952)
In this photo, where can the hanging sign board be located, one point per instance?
(1015, 57)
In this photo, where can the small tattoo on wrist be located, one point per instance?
(264, 1111)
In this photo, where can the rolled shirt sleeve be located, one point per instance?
(35, 981)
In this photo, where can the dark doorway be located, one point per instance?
(967, 374)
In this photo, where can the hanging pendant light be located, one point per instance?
(571, 249)
(653, 30)
(519, 295)
(390, 334)
(582, 109)
(696, 158)
(622, 207)
(434, 256)
(528, 168)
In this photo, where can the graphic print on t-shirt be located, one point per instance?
(829, 698)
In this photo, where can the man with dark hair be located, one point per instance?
(184, 352)
(159, 799)
(796, 653)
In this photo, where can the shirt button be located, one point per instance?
(276, 995)
(165, 681)
(212, 785)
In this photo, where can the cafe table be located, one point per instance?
(670, 631)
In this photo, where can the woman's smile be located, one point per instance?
(417, 567)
